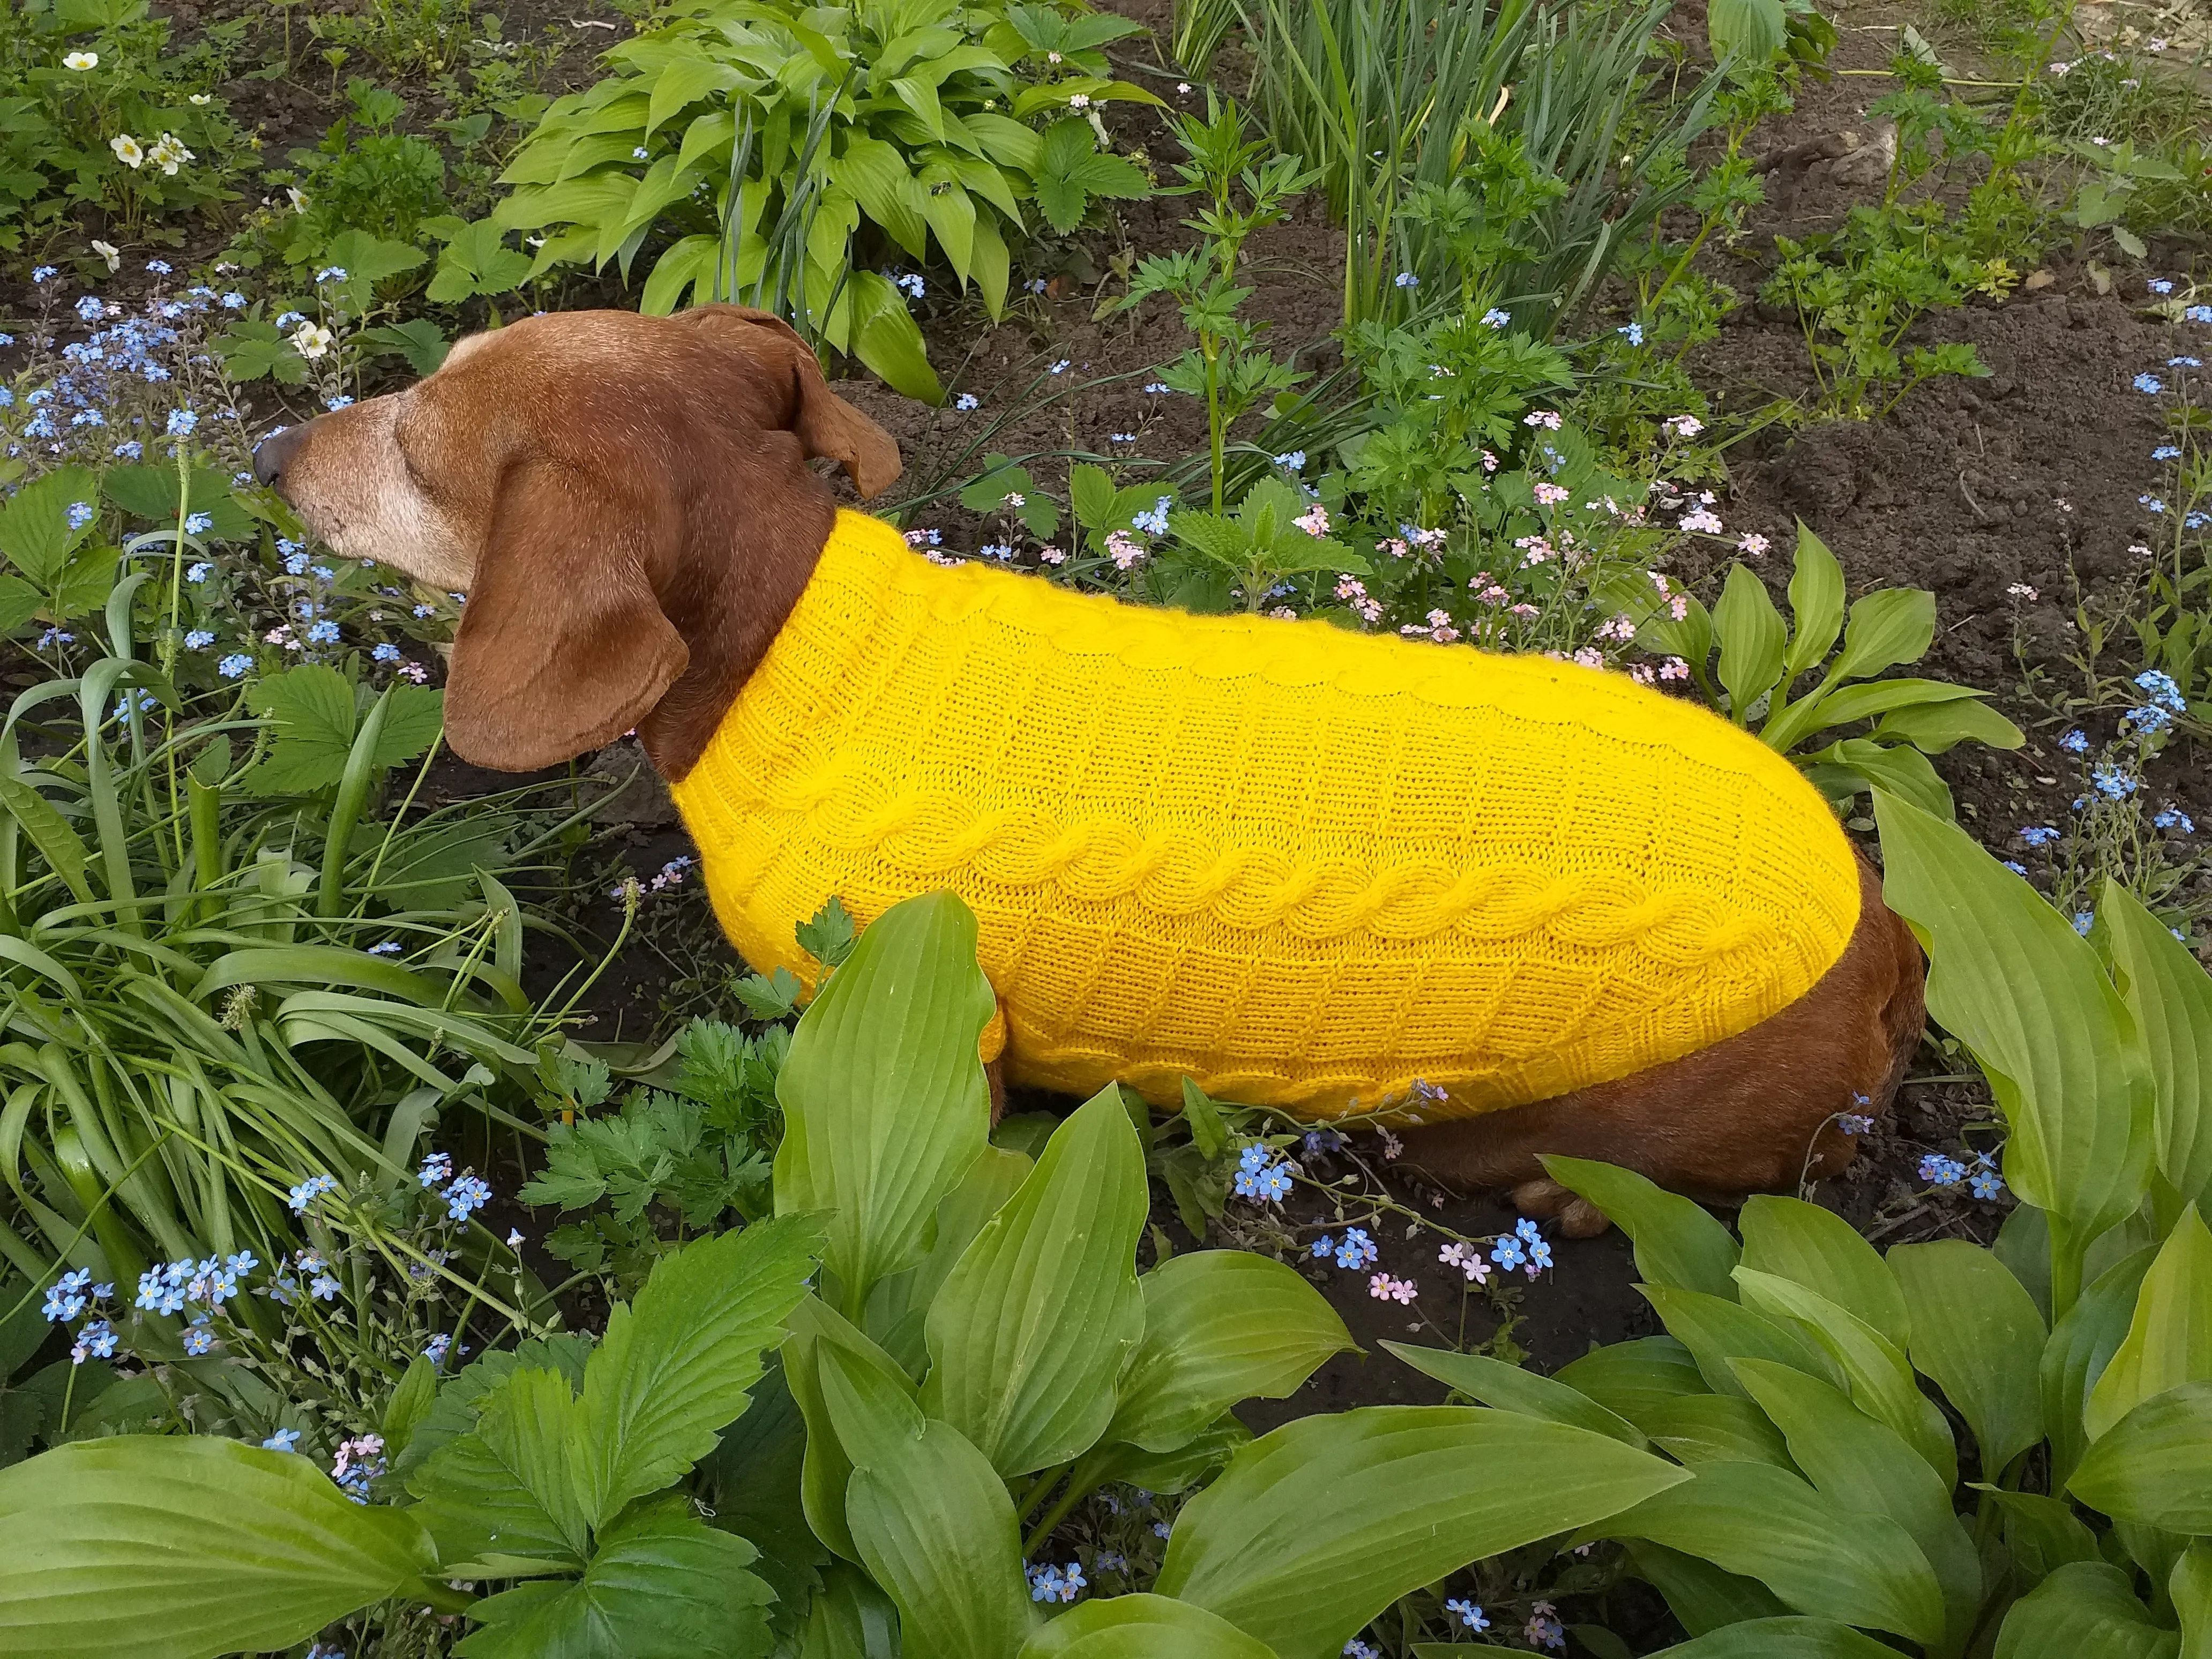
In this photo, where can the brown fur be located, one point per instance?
(627, 501)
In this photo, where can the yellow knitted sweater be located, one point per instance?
(1304, 867)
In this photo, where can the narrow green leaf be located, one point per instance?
(2010, 977)
(1031, 1329)
(936, 1529)
(1220, 1326)
(2190, 1584)
(1142, 1627)
(1677, 1241)
(673, 1371)
(826, 1469)
(1768, 1525)
(1509, 1388)
(1412, 1492)
(884, 1100)
(2169, 995)
(1696, 1428)
(1820, 1250)
(2153, 1467)
(1976, 1333)
(185, 1547)
(1625, 1377)
(2086, 1610)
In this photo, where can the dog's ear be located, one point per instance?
(562, 646)
(826, 422)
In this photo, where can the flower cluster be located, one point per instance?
(1354, 1251)
(463, 1195)
(1980, 1177)
(1049, 1583)
(357, 1465)
(1261, 1175)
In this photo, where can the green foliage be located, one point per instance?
(690, 1153)
(782, 151)
(1840, 1498)
(100, 116)
(200, 1024)
(209, 1545)
(1263, 541)
(1762, 657)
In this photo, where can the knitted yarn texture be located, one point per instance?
(1305, 868)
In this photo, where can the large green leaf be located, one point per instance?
(662, 1584)
(1696, 1428)
(2086, 1610)
(2169, 1340)
(1751, 31)
(1717, 1330)
(1818, 1249)
(1752, 637)
(1867, 1468)
(672, 1371)
(884, 1100)
(1976, 1331)
(2169, 995)
(187, 1546)
(1510, 1388)
(461, 1399)
(898, 1305)
(2082, 1345)
(1625, 1377)
(1889, 626)
(2043, 1534)
(2010, 977)
(1031, 1329)
(936, 1530)
(1142, 1627)
(1769, 1525)
(1314, 1530)
(1677, 1241)
(827, 1467)
(2154, 1465)
(1880, 1377)
(1781, 1639)
(1816, 601)
(1220, 1326)
(512, 1486)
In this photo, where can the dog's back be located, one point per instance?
(1305, 868)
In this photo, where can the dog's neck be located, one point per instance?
(729, 610)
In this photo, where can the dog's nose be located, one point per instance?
(274, 454)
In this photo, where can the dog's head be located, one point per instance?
(624, 499)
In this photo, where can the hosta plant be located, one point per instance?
(782, 153)
(1831, 1500)
(1762, 657)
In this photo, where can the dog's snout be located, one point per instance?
(275, 453)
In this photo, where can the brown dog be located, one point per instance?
(628, 503)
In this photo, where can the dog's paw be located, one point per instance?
(1547, 1201)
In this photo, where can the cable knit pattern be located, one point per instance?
(1304, 867)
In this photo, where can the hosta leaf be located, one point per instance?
(1781, 1639)
(1716, 1331)
(2169, 1340)
(1411, 1493)
(2153, 1467)
(2082, 1345)
(1818, 1249)
(1142, 1627)
(1766, 1524)
(2171, 996)
(1510, 1388)
(1220, 1326)
(885, 1104)
(1976, 1333)
(2086, 1610)
(1035, 1322)
(185, 1547)
(1677, 1241)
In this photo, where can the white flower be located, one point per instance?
(1078, 101)
(82, 61)
(311, 340)
(168, 154)
(299, 201)
(127, 151)
(110, 252)
(199, 100)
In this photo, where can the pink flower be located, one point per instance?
(1314, 521)
(1394, 547)
(1546, 418)
(1753, 545)
(1641, 674)
(1674, 669)
(1383, 1288)
(1550, 495)
(2021, 591)
(1683, 426)
(1536, 548)
(1489, 462)
(1703, 520)
(1591, 657)
(1051, 554)
(1468, 1259)
(1124, 550)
